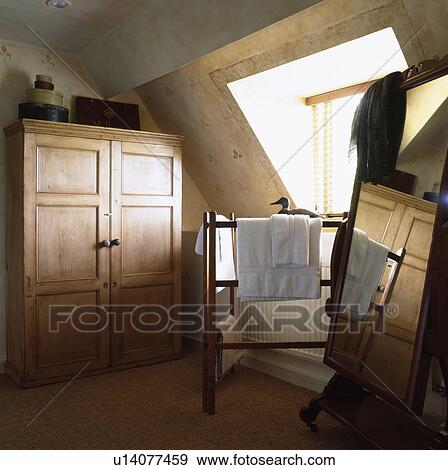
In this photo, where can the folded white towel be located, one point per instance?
(366, 265)
(258, 280)
(290, 240)
(225, 265)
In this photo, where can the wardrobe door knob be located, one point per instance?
(105, 243)
(116, 242)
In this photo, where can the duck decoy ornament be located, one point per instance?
(284, 202)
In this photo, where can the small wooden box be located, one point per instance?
(103, 113)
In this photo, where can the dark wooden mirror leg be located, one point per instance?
(444, 367)
(308, 414)
(440, 442)
(338, 388)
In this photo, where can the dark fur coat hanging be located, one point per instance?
(377, 129)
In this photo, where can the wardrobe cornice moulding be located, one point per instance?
(402, 198)
(106, 133)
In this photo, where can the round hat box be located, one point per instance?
(41, 96)
(44, 112)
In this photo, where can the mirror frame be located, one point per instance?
(414, 399)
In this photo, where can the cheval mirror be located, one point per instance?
(388, 308)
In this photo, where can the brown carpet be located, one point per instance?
(159, 407)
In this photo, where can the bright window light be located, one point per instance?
(308, 145)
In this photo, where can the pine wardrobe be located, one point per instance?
(93, 218)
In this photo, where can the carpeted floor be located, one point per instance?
(159, 407)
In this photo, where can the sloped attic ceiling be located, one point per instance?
(222, 154)
(164, 35)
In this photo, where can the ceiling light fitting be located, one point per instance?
(58, 4)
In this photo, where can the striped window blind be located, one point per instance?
(333, 171)
(323, 159)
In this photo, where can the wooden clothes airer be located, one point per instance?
(210, 335)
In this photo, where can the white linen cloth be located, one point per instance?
(225, 264)
(259, 280)
(366, 264)
(290, 240)
(226, 359)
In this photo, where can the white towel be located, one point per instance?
(358, 251)
(366, 265)
(258, 280)
(225, 265)
(290, 240)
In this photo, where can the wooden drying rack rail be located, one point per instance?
(210, 343)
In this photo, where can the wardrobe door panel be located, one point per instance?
(378, 354)
(147, 174)
(415, 234)
(373, 215)
(65, 170)
(66, 242)
(145, 266)
(378, 216)
(144, 332)
(67, 215)
(150, 230)
(72, 345)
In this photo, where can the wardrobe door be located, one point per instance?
(66, 203)
(379, 214)
(145, 256)
(415, 234)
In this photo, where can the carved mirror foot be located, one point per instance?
(308, 414)
(338, 388)
(440, 442)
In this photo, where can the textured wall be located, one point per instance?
(222, 154)
(164, 35)
(425, 140)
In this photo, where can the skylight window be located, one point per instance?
(308, 144)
